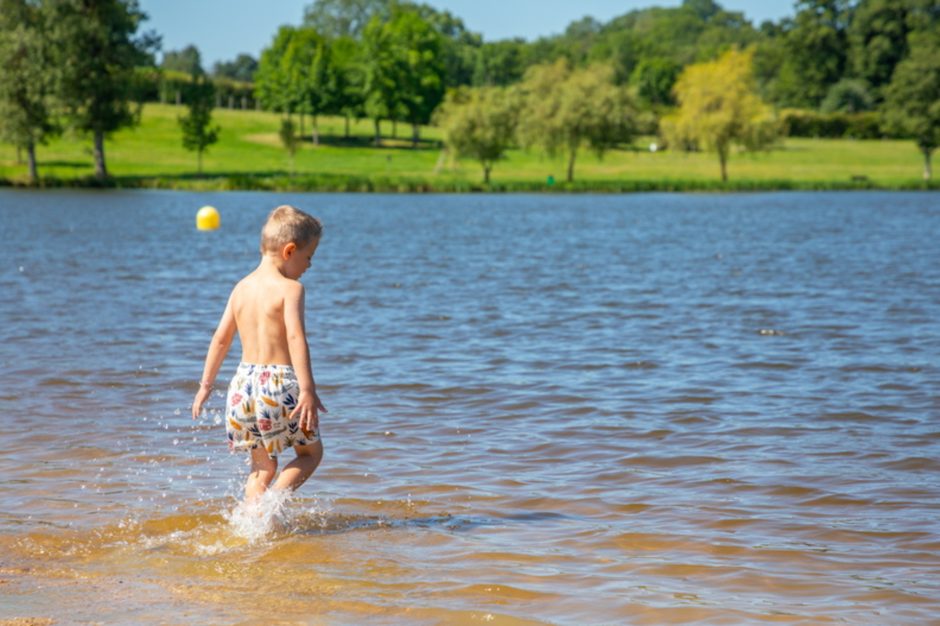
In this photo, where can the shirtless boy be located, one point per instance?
(272, 401)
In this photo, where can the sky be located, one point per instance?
(222, 29)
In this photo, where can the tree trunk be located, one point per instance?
(571, 165)
(179, 97)
(486, 174)
(927, 170)
(31, 156)
(101, 171)
(347, 126)
(415, 135)
(378, 132)
(301, 125)
(316, 132)
(199, 162)
(723, 159)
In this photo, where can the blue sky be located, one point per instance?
(223, 28)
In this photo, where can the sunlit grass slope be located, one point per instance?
(248, 155)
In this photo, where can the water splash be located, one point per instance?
(257, 519)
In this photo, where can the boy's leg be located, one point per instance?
(263, 469)
(299, 470)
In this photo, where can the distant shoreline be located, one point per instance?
(324, 184)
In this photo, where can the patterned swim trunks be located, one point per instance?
(258, 407)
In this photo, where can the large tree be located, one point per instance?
(347, 98)
(97, 47)
(816, 52)
(380, 74)
(27, 76)
(420, 70)
(479, 123)
(566, 109)
(273, 86)
(912, 99)
(719, 108)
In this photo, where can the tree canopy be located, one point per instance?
(480, 124)
(27, 81)
(566, 109)
(719, 108)
(98, 47)
(913, 97)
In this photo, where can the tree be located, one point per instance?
(420, 73)
(912, 99)
(323, 84)
(188, 60)
(499, 63)
(198, 132)
(347, 100)
(273, 87)
(26, 80)
(97, 50)
(479, 123)
(242, 68)
(877, 35)
(816, 51)
(380, 74)
(566, 109)
(654, 79)
(719, 108)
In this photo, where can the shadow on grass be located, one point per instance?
(69, 164)
(362, 141)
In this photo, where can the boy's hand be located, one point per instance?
(201, 396)
(307, 411)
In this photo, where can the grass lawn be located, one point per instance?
(248, 155)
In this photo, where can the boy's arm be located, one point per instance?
(218, 348)
(308, 404)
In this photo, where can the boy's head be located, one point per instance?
(287, 224)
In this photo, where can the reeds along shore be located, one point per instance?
(250, 157)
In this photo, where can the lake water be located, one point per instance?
(643, 409)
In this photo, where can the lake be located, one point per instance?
(565, 409)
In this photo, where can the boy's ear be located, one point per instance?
(288, 250)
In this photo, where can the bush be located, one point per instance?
(802, 123)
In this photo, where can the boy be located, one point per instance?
(272, 401)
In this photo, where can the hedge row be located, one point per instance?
(802, 123)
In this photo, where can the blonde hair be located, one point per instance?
(287, 224)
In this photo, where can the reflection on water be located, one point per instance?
(543, 409)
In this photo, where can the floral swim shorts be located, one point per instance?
(258, 407)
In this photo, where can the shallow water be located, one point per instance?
(643, 409)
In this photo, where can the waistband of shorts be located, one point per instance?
(287, 369)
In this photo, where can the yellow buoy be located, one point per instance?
(208, 218)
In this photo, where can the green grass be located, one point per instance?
(248, 156)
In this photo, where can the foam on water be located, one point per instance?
(255, 520)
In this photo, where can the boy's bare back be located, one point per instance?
(262, 303)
